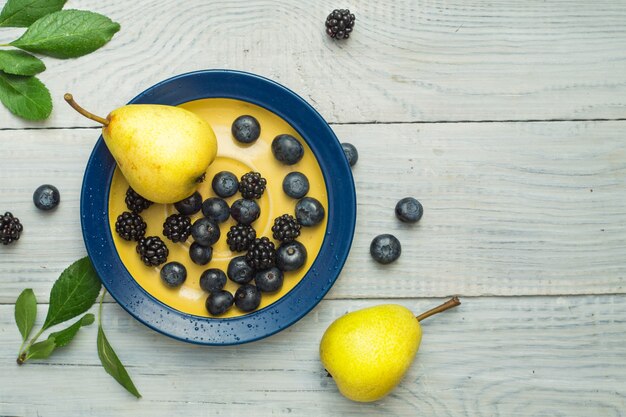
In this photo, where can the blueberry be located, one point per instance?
(212, 280)
(189, 205)
(287, 149)
(46, 197)
(309, 211)
(269, 280)
(245, 211)
(205, 231)
(409, 210)
(290, 256)
(216, 209)
(173, 274)
(351, 153)
(199, 254)
(225, 184)
(219, 302)
(239, 270)
(296, 185)
(246, 129)
(385, 248)
(247, 297)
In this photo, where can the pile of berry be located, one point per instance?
(259, 263)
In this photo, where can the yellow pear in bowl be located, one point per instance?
(163, 151)
(367, 352)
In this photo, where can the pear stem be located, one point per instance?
(70, 100)
(453, 302)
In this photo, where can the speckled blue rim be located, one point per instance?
(313, 286)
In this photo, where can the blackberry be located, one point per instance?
(177, 227)
(286, 228)
(152, 250)
(339, 23)
(130, 226)
(261, 254)
(135, 202)
(10, 228)
(239, 237)
(252, 185)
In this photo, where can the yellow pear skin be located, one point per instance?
(367, 352)
(161, 150)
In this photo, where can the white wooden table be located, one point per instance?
(506, 119)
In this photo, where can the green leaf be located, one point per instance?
(25, 312)
(67, 34)
(112, 364)
(65, 336)
(41, 350)
(73, 293)
(22, 13)
(25, 97)
(20, 63)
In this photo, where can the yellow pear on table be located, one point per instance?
(367, 352)
(163, 151)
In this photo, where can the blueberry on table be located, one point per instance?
(173, 274)
(409, 210)
(385, 248)
(200, 254)
(246, 129)
(46, 197)
(216, 209)
(205, 231)
(296, 185)
(212, 280)
(219, 302)
(290, 256)
(189, 205)
(309, 211)
(287, 149)
(269, 280)
(247, 297)
(245, 211)
(351, 153)
(239, 270)
(10, 228)
(225, 184)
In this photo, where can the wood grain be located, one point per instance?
(510, 209)
(532, 356)
(406, 61)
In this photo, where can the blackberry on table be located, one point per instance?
(177, 228)
(252, 185)
(152, 250)
(240, 237)
(130, 226)
(339, 23)
(286, 228)
(261, 254)
(135, 202)
(10, 228)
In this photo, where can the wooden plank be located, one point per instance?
(540, 356)
(406, 60)
(510, 209)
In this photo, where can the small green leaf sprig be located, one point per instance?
(73, 293)
(52, 32)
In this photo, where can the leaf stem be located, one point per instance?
(453, 302)
(70, 100)
(100, 308)
(21, 357)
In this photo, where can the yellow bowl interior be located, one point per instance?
(239, 159)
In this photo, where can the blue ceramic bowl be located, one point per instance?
(341, 212)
